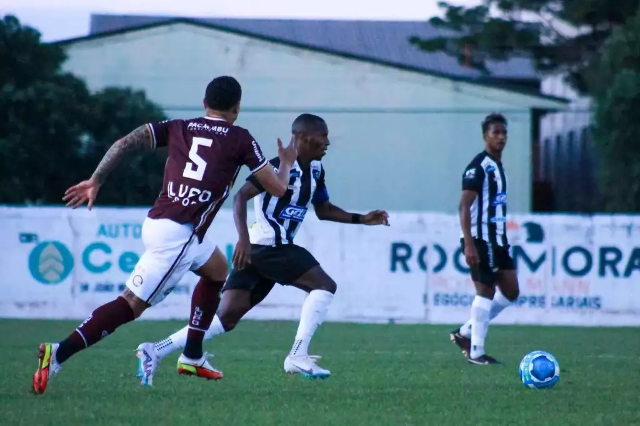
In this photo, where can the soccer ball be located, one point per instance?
(539, 370)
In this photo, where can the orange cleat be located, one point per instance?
(199, 368)
(47, 367)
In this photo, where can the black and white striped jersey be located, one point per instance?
(278, 219)
(485, 175)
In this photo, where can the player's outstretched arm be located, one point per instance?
(276, 183)
(330, 212)
(241, 254)
(87, 191)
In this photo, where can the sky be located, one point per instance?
(70, 18)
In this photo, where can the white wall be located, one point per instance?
(575, 118)
(400, 139)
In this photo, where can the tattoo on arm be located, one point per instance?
(138, 140)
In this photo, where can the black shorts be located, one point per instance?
(282, 264)
(492, 258)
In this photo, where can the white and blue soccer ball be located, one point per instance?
(539, 370)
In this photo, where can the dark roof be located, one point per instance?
(348, 44)
(385, 41)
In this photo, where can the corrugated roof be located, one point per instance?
(385, 41)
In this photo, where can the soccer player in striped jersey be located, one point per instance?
(483, 220)
(267, 254)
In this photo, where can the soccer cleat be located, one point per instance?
(463, 342)
(483, 360)
(305, 365)
(199, 367)
(47, 367)
(148, 363)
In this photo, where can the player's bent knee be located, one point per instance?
(512, 294)
(234, 305)
(316, 279)
(213, 284)
(486, 291)
(221, 271)
(229, 318)
(330, 286)
(324, 285)
(216, 268)
(509, 287)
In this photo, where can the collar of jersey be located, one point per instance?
(215, 118)
(492, 157)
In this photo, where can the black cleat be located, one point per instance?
(463, 342)
(483, 360)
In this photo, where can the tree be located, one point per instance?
(138, 180)
(595, 43)
(616, 128)
(53, 131)
(37, 135)
(560, 36)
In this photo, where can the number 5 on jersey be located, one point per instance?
(197, 172)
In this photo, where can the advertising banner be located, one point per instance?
(574, 270)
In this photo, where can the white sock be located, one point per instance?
(480, 311)
(314, 311)
(465, 330)
(499, 304)
(178, 340)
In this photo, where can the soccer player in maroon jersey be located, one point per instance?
(204, 157)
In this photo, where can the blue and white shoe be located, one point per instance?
(306, 365)
(148, 363)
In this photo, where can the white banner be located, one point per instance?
(575, 270)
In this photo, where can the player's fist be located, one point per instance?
(471, 255)
(288, 154)
(84, 192)
(376, 217)
(241, 254)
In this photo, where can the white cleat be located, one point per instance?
(148, 363)
(305, 365)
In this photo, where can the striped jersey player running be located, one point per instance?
(483, 219)
(266, 254)
(204, 156)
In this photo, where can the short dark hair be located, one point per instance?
(307, 122)
(223, 93)
(492, 119)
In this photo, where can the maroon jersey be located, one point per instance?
(204, 157)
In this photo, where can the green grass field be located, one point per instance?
(382, 375)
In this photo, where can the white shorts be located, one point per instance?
(171, 250)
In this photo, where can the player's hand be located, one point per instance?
(288, 154)
(84, 192)
(376, 217)
(241, 254)
(471, 255)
